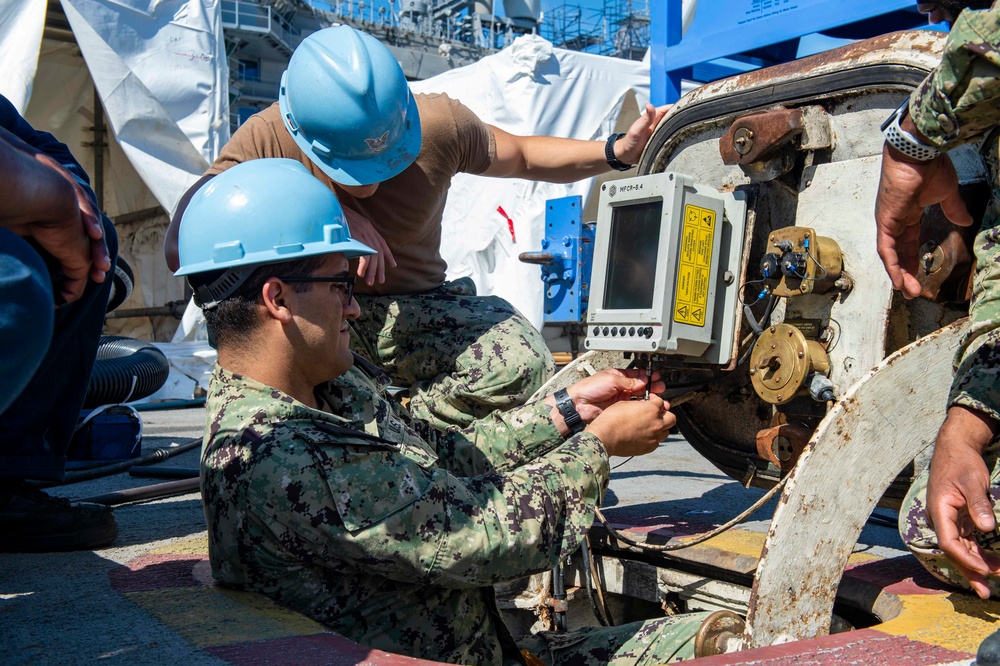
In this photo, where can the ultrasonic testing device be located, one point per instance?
(667, 255)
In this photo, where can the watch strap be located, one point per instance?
(609, 154)
(565, 405)
(903, 141)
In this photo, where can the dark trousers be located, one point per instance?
(49, 353)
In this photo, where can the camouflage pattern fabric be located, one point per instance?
(387, 531)
(959, 103)
(636, 644)
(921, 540)
(462, 356)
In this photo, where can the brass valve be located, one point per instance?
(782, 361)
(807, 263)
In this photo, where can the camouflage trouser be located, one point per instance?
(462, 356)
(920, 538)
(635, 644)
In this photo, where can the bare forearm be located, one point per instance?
(549, 159)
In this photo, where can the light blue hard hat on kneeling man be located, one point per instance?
(259, 212)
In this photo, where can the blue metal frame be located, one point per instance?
(566, 259)
(723, 28)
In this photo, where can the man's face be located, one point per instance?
(322, 316)
(935, 12)
(946, 11)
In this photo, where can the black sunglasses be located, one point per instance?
(347, 293)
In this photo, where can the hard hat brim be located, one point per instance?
(349, 248)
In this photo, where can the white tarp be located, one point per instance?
(21, 25)
(529, 88)
(161, 70)
(159, 66)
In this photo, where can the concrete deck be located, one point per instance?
(149, 599)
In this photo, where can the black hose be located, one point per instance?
(157, 472)
(559, 594)
(157, 455)
(155, 491)
(125, 369)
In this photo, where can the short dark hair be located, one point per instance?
(955, 7)
(236, 317)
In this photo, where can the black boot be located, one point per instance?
(34, 522)
(989, 651)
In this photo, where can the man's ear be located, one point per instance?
(276, 295)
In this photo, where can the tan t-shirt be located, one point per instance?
(406, 209)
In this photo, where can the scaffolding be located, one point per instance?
(620, 28)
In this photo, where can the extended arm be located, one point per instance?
(557, 160)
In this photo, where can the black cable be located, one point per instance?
(155, 456)
(589, 583)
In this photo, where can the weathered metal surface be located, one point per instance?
(946, 258)
(783, 444)
(865, 647)
(758, 135)
(889, 417)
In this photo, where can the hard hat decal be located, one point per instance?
(377, 145)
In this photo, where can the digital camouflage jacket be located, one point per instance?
(384, 530)
(959, 103)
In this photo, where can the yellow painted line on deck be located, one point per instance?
(207, 616)
(740, 542)
(954, 620)
(194, 546)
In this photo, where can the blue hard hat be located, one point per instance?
(260, 212)
(345, 101)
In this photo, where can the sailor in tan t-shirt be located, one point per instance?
(346, 113)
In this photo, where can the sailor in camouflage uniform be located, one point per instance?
(958, 103)
(323, 495)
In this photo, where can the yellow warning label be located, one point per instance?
(695, 265)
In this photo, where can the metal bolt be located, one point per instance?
(801, 354)
(779, 398)
(743, 141)
(772, 329)
(728, 277)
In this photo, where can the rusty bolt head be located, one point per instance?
(743, 141)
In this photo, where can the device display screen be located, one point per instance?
(633, 242)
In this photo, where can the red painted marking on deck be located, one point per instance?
(864, 647)
(156, 572)
(898, 575)
(318, 650)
